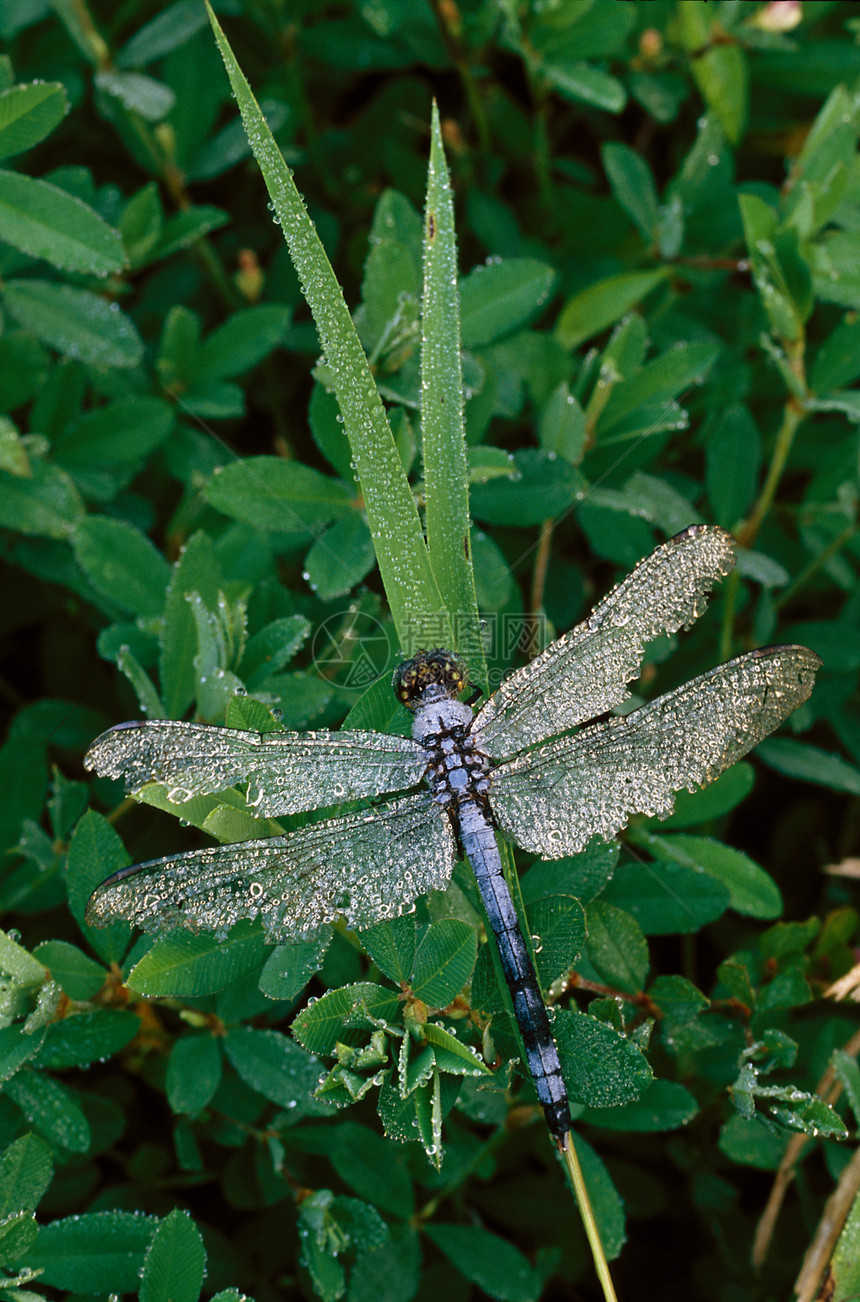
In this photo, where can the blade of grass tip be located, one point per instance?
(442, 429)
(417, 608)
(577, 1179)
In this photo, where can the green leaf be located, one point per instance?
(391, 945)
(193, 1073)
(663, 1105)
(545, 487)
(94, 853)
(185, 965)
(45, 503)
(241, 342)
(719, 67)
(403, 560)
(17, 1046)
(122, 564)
(667, 898)
(557, 927)
(29, 113)
(46, 222)
(617, 947)
(51, 1108)
(450, 1055)
(373, 1168)
(837, 361)
(491, 1263)
(17, 1236)
(729, 789)
(584, 84)
(195, 571)
(98, 1252)
(121, 433)
(273, 1065)
(340, 558)
(17, 962)
(288, 968)
(733, 463)
(599, 305)
(677, 998)
(320, 1026)
(500, 296)
(563, 426)
(809, 764)
(270, 493)
(175, 1263)
(752, 1142)
(660, 381)
(443, 433)
(25, 1173)
(633, 185)
(168, 31)
(601, 1067)
(751, 890)
(606, 1203)
(79, 324)
(136, 93)
(86, 1037)
(77, 974)
(444, 961)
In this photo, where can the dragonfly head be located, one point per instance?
(429, 675)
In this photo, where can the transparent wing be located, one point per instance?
(555, 798)
(366, 866)
(586, 672)
(286, 772)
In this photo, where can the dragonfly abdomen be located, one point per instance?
(479, 842)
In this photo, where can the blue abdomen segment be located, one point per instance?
(479, 842)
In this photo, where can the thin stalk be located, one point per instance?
(793, 414)
(592, 1233)
(818, 562)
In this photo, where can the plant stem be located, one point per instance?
(792, 415)
(589, 1223)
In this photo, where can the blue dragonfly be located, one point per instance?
(528, 764)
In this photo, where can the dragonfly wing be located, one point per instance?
(286, 772)
(586, 672)
(554, 799)
(366, 866)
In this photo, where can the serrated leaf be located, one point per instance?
(444, 961)
(320, 1026)
(94, 853)
(751, 890)
(25, 1173)
(51, 1108)
(391, 945)
(99, 1252)
(86, 1037)
(617, 947)
(175, 1261)
(182, 964)
(601, 1068)
(450, 1055)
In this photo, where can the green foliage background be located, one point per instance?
(658, 216)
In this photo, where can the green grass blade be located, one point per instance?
(443, 431)
(416, 605)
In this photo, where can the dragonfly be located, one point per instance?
(536, 762)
